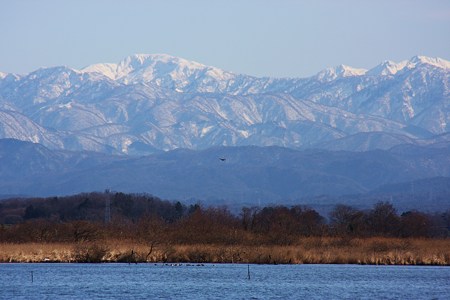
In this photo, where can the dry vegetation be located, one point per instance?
(146, 229)
(314, 250)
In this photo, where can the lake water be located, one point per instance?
(222, 281)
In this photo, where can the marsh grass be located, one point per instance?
(376, 251)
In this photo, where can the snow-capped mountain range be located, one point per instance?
(147, 103)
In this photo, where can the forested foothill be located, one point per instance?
(90, 220)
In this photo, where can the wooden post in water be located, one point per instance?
(248, 272)
(32, 279)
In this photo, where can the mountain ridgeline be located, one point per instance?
(149, 103)
(409, 176)
(160, 124)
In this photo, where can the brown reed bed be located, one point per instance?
(375, 251)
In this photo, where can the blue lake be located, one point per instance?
(219, 281)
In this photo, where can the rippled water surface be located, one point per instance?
(150, 281)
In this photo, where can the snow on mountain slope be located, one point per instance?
(339, 72)
(165, 71)
(17, 126)
(152, 102)
(387, 68)
(109, 70)
(412, 96)
(432, 61)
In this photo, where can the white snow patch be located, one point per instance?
(248, 119)
(148, 67)
(39, 100)
(387, 68)
(35, 139)
(244, 133)
(125, 144)
(205, 130)
(434, 61)
(109, 70)
(341, 71)
(66, 105)
(291, 113)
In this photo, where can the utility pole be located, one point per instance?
(107, 208)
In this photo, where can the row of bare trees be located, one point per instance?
(149, 220)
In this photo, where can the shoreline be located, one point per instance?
(370, 251)
(191, 264)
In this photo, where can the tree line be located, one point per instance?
(150, 220)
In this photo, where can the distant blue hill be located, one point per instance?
(247, 176)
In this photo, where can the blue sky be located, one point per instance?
(279, 38)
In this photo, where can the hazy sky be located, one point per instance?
(280, 38)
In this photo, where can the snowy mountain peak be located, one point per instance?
(150, 66)
(146, 61)
(54, 71)
(107, 69)
(433, 61)
(387, 68)
(9, 77)
(391, 68)
(152, 59)
(53, 75)
(147, 102)
(340, 71)
(161, 69)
